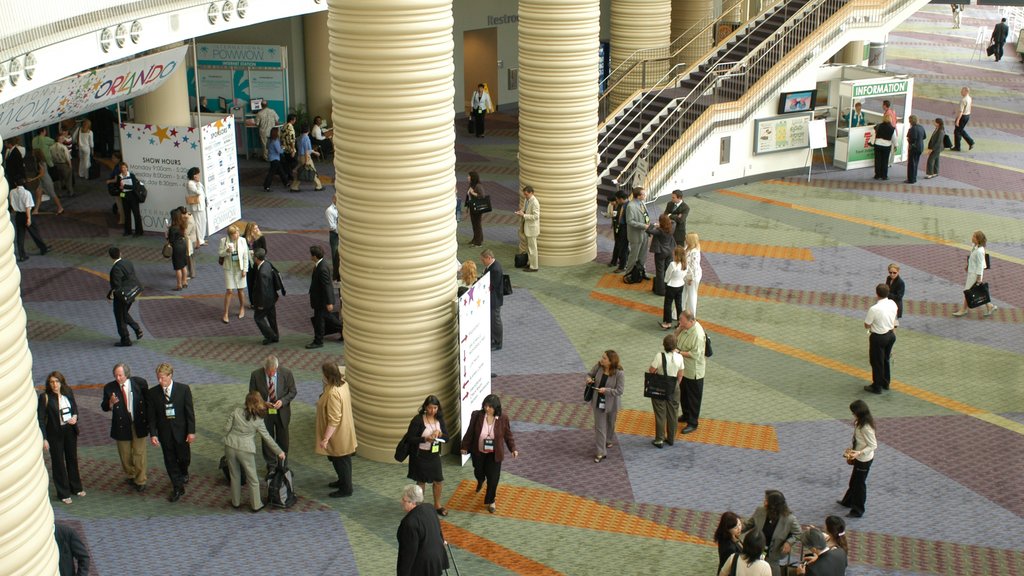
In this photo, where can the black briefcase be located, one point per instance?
(522, 260)
(991, 50)
(506, 285)
(977, 295)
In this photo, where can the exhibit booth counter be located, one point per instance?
(850, 85)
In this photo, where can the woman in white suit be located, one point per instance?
(234, 258)
(240, 432)
(693, 273)
(975, 271)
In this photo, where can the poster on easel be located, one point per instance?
(474, 350)
(160, 157)
(220, 174)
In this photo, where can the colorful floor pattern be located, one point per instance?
(789, 270)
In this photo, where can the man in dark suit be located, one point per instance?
(73, 554)
(172, 426)
(677, 211)
(276, 386)
(999, 35)
(497, 295)
(14, 164)
(122, 281)
(621, 249)
(323, 300)
(264, 297)
(125, 398)
(420, 542)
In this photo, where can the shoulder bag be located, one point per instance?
(480, 204)
(659, 386)
(129, 294)
(168, 249)
(506, 285)
(707, 346)
(140, 191)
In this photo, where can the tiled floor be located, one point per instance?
(786, 284)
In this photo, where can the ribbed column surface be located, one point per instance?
(685, 15)
(26, 518)
(639, 25)
(558, 123)
(167, 105)
(852, 53)
(318, 80)
(392, 86)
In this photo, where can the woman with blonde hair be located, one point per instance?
(975, 271)
(693, 273)
(84, 139)
(467, 276)
(254, 237)
(240, 431)
(335, 428)
(234, 258)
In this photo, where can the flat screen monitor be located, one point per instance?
(256, 104)
(801, 101)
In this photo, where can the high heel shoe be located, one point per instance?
(598, 459)
(225, 320)
(241, 314)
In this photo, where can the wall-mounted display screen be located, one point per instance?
(801, 101)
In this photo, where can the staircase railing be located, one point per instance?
(639, 61)
(673, 144)
(670, 78)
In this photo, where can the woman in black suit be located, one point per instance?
(488, 435)
(662, 245)
(884, 133)
(425, 436)
(896, 289)
(58, 421)
(475, 191)
(727, 536)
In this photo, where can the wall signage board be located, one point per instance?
(240, 55)
(474, 350)
(76, 95)
(160, 156)
(781, 133)
(887, 87)
(220, 174)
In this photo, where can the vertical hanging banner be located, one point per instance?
(160, 156)
(220, 174)
(474, 350)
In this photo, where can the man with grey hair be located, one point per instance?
(637, 221)
(691, 339)
(276, 386)
(420, 542)
(125, 399)
(819, 558)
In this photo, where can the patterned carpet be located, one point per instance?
(789, 271)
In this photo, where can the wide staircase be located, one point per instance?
(726, 86)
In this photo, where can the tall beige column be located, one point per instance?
(392, 85)
(852, 53)
(558, 123)
(689, 19)
(639, 25)
(167, 105)
(318, 65)
(26, 518)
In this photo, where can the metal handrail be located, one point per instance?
(855, 14)
(715, 75)
(605, 138)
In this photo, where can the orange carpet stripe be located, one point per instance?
(759, 250)
(842, 367)
(562, 509)
(614, 282)
(493, 552)
(717, 432)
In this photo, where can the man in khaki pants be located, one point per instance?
(125, 398)
(529, 227)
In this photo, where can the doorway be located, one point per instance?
(480, 63)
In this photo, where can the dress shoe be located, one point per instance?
(492, 508)
(956, 149)
(123, 344)
(44, 250)
(185, 480)
(689, 429)
(657, 443)
(255, 510)
(970, 146)
(910, 181)
(339, 494)
(531, 269)
(176, 495)
(267, 341)
(138, 334)
(313, 345)
(140, 487)
(619, 270)
(495, 348)
(854, 514)
(872, 389)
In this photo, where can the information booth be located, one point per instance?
(869, 87)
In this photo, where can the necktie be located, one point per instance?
(127, 402)
(270, 390)
(167, 394)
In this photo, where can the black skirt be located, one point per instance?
(425, 466)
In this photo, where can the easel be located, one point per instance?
(981, 43)
(818, 141)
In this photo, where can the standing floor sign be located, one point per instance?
(474, 350)
(160, 157)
